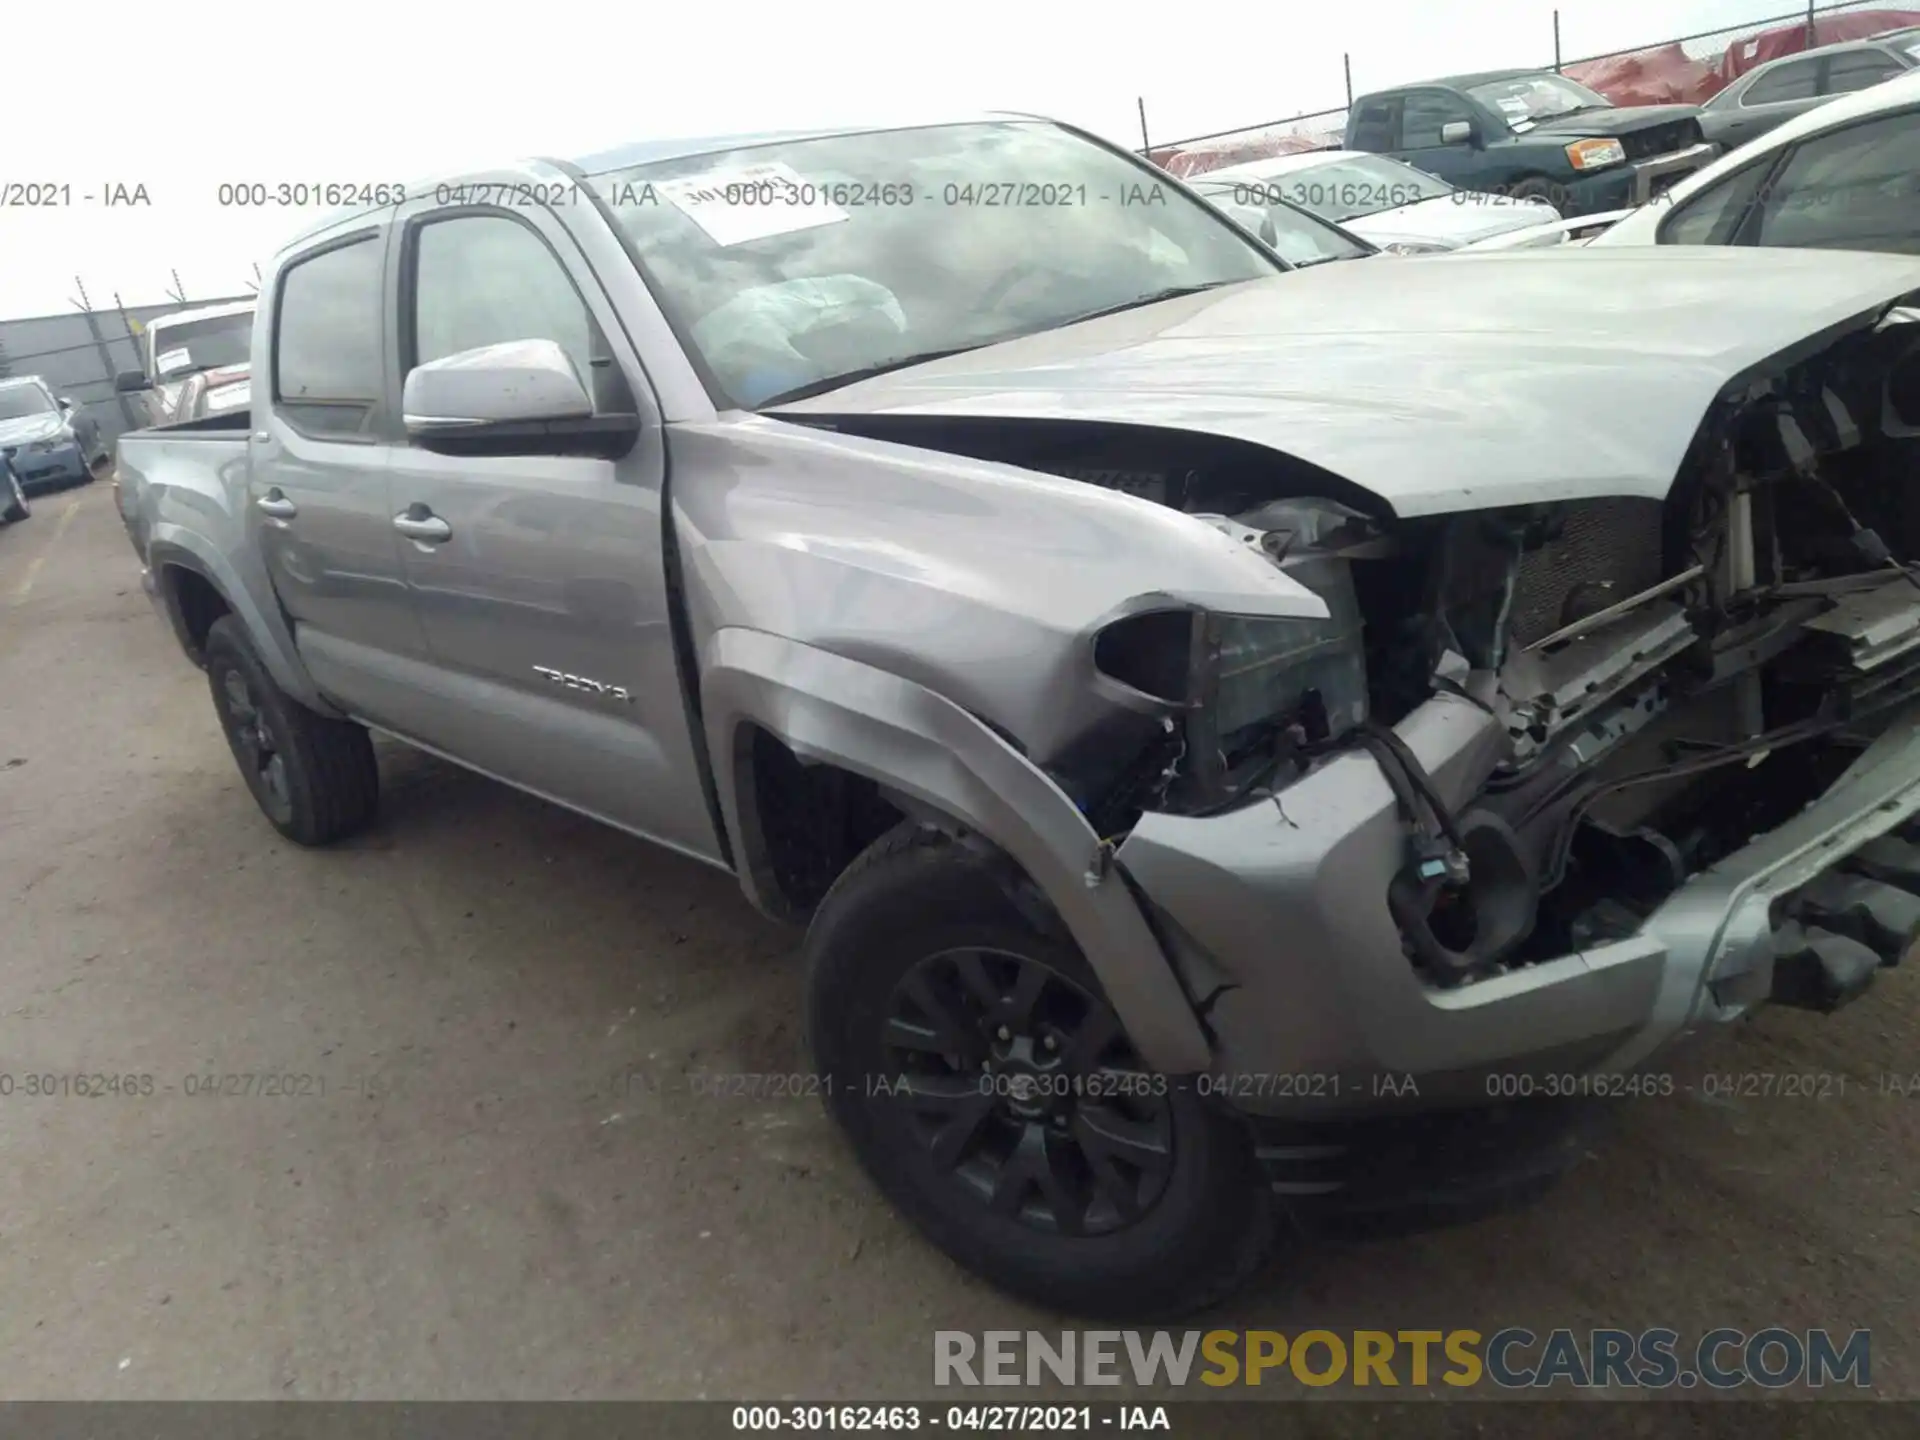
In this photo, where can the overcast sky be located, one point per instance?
(182, 98)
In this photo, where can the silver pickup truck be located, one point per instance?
(1238, 738)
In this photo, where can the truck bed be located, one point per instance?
(193, 472)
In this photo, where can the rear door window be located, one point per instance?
(1376, 125)
(327, 370)
(1858, 69)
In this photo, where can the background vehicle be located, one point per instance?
(1533, 135)
(1389, 204)
(212, 392)
(1844, 176)
(178, 346)
(1907, 38)
(1142, 666)
(1781, 89)
(1296, 234)
(48, 441)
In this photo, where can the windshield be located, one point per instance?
(1345, 188)
(19, 401)
(794, 264)
(1523, 101)
(1300, 238)
(185, 346)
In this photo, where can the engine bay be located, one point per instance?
(1672, 678)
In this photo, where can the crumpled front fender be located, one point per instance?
(831, 709)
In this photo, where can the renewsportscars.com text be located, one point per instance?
(1513, 1358)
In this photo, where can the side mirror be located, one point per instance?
(66, 403)
(1457, 132)
(130, 382)
(522, 397)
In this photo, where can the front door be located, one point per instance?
(542, 592)
(1423, 113)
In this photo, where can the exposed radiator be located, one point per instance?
(1606, 550)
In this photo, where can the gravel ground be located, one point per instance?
(496, 1175)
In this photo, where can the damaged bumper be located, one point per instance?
(1278, 917)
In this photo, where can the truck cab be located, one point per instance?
(1533, 134)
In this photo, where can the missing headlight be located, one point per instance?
(1150, 653)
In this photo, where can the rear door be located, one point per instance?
(545, 602)
(318, 506)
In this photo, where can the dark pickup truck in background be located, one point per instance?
(1534, 135)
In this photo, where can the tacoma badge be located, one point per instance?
(580, 682)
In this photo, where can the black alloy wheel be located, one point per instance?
(16, 508)
(255, 746)
(1026, 1093)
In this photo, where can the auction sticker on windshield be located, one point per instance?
(750, 202)
(171, 360)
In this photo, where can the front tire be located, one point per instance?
(1538, 187)
(987, 1087)
(315, 779)
(13, 500)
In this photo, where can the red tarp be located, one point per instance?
(1743, 55)
(1663, 75)
(1204, 155)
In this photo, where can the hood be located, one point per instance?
(1468, 381)
(28, 428)
(1615, 120)
(1456, 219)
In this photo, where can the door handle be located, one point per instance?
(421, 525)
(277, 505)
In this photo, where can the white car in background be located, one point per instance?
(1843, 176)
(1299, 237)
(1386, 202)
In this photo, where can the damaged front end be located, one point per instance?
(1552, 783)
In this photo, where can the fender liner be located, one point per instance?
(827, 708)
(267, 627)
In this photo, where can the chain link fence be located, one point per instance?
(1687, 68)
(78, 354)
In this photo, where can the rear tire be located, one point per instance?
(1128, 1198)
(13, 500)
(315, 779)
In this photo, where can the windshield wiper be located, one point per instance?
(852, 377)
(1172, 292)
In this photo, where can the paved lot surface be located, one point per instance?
(495, 1176)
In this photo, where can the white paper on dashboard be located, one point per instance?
(750, 202)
